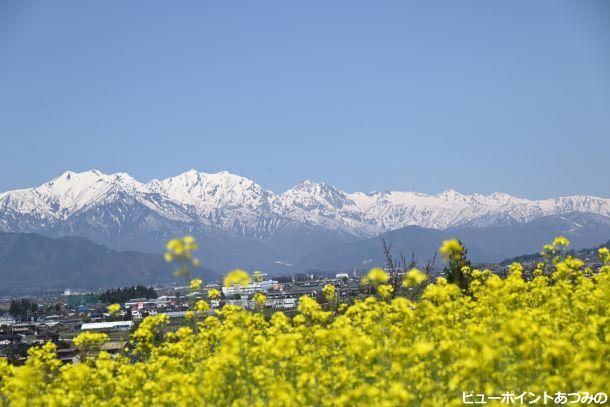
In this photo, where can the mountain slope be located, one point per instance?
(241, 224)
(33, 262)
(587, 254)
(485, 244)
(238, 205)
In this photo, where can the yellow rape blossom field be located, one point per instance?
(548, 331)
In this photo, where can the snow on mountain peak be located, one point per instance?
(451, 195)
(212, 190)
(236, 203)
(68, 193)
(304, 185)
(71, 178)
(311, 195)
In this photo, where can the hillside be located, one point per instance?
(33, 262)
(590, 253)
(488, 244)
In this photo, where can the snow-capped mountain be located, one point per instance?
(228, 201)
(243, 221)
(238, 205)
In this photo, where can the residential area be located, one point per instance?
(60, 317)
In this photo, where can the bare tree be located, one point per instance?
(397, 267)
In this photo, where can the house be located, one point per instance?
(16, 353)
(7, 320)
(136, 303)
(43, 327)
(71, 325)
(47, 336)
(113, 347)
(282, 302)
(9, 339)
(24, 328)
(68, 354)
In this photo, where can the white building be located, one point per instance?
(107, 326)
(263, 286)
(275, 303)
(7, 321)
(282, 303)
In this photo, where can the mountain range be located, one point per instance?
(239, 223)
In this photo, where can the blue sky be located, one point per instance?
(479, 96)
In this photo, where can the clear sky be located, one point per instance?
(479, 96)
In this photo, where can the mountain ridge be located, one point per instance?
(485, 245)
(242, 224)
(238, 204)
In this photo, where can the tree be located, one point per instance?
(396, 268)
(23, 308)
(121, 295)
(458, 266)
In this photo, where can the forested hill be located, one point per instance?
(590, 253)
(33, 262)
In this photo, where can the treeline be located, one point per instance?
(536, 257)
(121, 295)
(23, 308)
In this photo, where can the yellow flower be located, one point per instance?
(413, 277)
(181, 247)
(561, 241)
(175, 246)
(376, 276)
(385, 291)
(604, 255)
(181, 251)
(451, 250)
(202, 306)
(328, 291)
(195, 284)
(258, 276)
(260, 300)
(88, 340)
(515, 268)
(237, 278)
(545, 333)
(114, 309)
(189, 241)
(214, 294)
(310, 308)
